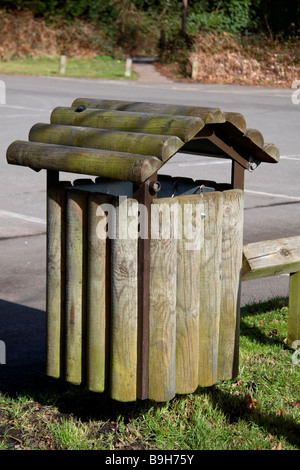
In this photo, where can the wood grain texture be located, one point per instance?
(55, 284)
(232, 246)
(210, 289)
(98, 295)
(255, 136)
(271, 258)
(189, 245)
(124, 265)
(237, 120)
(273, 151)
(76, 222)
(162, 309)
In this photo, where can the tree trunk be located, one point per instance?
(184, 13)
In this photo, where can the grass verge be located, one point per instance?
(97, 67)
(260, 409)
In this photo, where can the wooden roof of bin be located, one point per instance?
(126, 140)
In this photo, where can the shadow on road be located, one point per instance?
(23, 330)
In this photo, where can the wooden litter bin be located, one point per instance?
(143, 269)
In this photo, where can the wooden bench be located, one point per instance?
(271, 258)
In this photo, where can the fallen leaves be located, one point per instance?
(250, 61)
(24, 35)
(235, 384)
(272, 333)
(250, 402)
(277, 447)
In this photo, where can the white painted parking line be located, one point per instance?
(290, 157)
(226, 160)
(34, 112)
(27, 218)
(26, 108)
(280, 196)
(200, 163)
(22, 116)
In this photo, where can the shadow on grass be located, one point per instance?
(23, 331)
(235, 408)
(253, 332)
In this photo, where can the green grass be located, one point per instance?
(260, 409)
(98, 67)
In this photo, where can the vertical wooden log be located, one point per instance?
(162, 308)
(98, 292)
(76, 222)
(232, 248)
(294, 309)
(188, 293)
(210, 288)
(123, 373)
(55, 287)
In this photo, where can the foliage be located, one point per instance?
(224, 15)
(236, 15)
(134, 29)
(68, 8)
(274, 16)
(279, 18)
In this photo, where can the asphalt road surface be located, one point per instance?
(272, 192)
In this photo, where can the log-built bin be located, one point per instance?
(143, 270)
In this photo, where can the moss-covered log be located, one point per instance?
(184, 127)
(208, 114)
(160, 146)
(105, 163)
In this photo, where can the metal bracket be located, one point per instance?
(253, 164)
